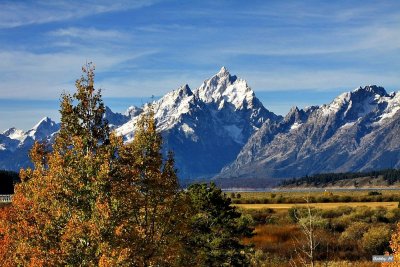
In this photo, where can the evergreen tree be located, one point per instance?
(216, 229)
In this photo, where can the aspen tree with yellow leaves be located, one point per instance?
(91, 200)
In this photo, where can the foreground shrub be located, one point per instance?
(376, 240)
(353, 233)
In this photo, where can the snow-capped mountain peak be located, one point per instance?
(205, 128)
(295, 115)
(371, 89)
(133, 111)
(46, 121)
(357, 103)
(15, 134)
(44, 128)
(177, 99)
(223, 88)
(167, 111)
(170, 107)
(212, 89)
(17, 140)
(223, 71)
(115, 119)
(184, 91)
(357, 131)
(209, 124)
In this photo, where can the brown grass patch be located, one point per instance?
(275, 239)
(388, 205)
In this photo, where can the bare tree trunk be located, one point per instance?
(306, 252)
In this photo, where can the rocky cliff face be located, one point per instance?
(358, 131)
(207, 127)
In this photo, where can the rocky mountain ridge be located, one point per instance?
(222, 130)
(357, 131)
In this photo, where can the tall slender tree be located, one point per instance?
(148, 198)
(60, 213)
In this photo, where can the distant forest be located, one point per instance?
(389, 175)
(7, 181)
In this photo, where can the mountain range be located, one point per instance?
(357, 131)
(221, 131)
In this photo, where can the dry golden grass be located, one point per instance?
(388, 205)
(347, 264)
(354, 193)
(275, 239)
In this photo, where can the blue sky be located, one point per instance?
(290, 52)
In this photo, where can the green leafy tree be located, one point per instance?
(216, 229)
(147, 198)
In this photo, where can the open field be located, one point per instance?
(347, 219)
(347, 233)
(295, 194)
(388, 205)
(328, 196)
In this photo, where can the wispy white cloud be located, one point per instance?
(145, 87)
(303, 13)
(162, 28)
(29, 75)
(275, 45)
(318, 80)
(16, 13)
(342, 40)
(88, 33)
(81, 38)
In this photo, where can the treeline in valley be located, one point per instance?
(389, 175)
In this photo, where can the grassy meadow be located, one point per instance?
(315, 196)
(350, 226)
(330, 205)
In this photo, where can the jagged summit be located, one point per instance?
(43, 129)
(10, 131)
(175, 100)
(44, 122)
(223, 71)
(185, 90)
(206, 127)
(115, 119)
(295, 115)
(357, 103)
(15, 134)
(223, 89)
(374, 89)
(133, 111)
(294, 109)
